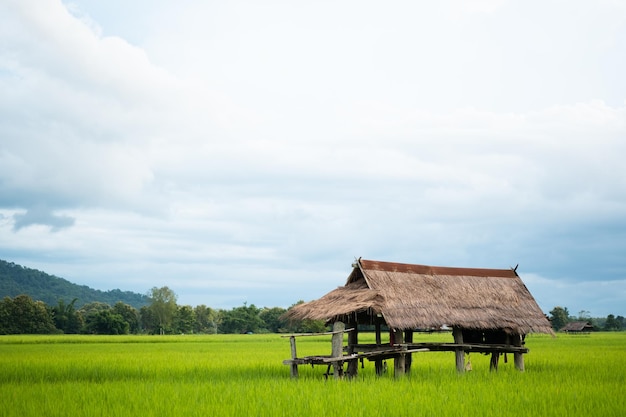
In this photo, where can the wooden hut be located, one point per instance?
(577, 327)
(488, 310)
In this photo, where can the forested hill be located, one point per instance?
(16, 280)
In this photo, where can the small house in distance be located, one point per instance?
(489, 311)
(577, 327)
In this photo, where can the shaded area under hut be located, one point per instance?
(488, 310)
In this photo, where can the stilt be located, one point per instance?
(399, 361)
(353, 340)
(378, 337)
(294, 367)
(408, 360)
(459, 352)
(518, 358)
(495, 358)
(337, 351)
(378, 363)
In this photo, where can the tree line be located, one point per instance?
(560, 317)
(23, 315)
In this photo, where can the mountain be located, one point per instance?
(16, 280)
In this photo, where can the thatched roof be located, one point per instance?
(420, 296)
(577, 326)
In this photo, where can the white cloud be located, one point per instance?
(256, 144)
(549, 293)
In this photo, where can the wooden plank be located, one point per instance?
(316, 334)
(482, 348)
(451, 347)
(371, 356)
(309, 360)
(380, 356)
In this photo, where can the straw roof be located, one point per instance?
(577, 326)
(419, 296)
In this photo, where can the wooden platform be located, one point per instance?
(372, 355)
(400, 348)
(377, 353)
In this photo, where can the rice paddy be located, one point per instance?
(243, 375)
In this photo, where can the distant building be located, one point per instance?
(577, 327)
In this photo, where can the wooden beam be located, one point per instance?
(315, 334)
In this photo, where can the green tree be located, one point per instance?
(22, 315)
(272, 321)
(66, 317)
(106, 322)
(149, 322)
(206, 320)
(611, 323)
(559, 317)
(130, 315)
(184, 320)
(93, 308)
(163, 307)
(89, 311)
(243, 319)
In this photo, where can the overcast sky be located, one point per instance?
(248, 151)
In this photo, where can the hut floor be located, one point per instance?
(380, 352)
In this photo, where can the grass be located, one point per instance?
(243, 375)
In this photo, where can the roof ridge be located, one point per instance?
(435, 270)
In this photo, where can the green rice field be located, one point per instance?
(243, 375)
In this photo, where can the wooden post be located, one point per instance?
(337, 351)
(294, 366)
(378, 363)
(518, 358)
(353, 340)
(399, 361)
(493, 364)
(378, 338)
(459, 352)
(408, 338)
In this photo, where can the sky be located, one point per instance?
(248, 151)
